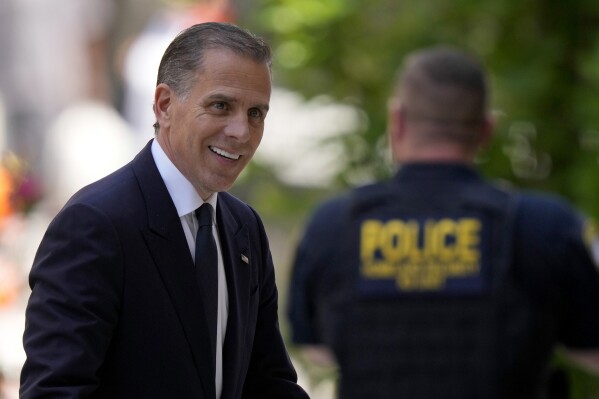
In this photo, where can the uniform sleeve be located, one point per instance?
(76, 281)
(314, 258)
(581, 327)
(301, 306)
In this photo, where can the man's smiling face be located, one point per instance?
(211, 133)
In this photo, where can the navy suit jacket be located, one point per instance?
(115, 309)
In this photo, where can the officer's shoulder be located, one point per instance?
(553, 216)
(335, 210)
(333, 207)
(341, 203)
(548, 215)
(544, 204)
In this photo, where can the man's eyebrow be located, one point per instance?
(229, 99)
(263, 107)
(221, 97)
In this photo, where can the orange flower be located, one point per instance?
(6, 192)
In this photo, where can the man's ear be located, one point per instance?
(163, 98)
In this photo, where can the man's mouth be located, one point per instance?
(224, 153)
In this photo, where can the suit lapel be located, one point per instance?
(236, 256)
(168, 246)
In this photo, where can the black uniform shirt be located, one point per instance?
(550, 260)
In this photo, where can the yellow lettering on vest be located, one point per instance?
(395, 240)
(431, 246)
(420, 256)
(369, 241)
(445, 231)
(468, 239)
(415, 252)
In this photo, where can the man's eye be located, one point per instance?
(255, 113)
(219, 105)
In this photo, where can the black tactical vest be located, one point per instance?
(420, 304)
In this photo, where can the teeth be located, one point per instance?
(224, 153)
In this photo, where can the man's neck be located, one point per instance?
(435, 155)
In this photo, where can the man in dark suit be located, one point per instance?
(119, 305)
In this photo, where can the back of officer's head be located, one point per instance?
(443, 95)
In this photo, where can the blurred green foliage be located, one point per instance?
(543, 59)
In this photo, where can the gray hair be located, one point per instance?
(184, 57)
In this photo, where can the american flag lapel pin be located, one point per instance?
(245, 259)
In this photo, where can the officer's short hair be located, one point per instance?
(445, 88)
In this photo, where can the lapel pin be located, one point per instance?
(245, 259)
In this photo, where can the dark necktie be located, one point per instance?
(207, 269)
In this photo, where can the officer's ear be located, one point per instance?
(396, 120)
(487, 131)
(396, 129)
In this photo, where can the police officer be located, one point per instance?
(437, 284)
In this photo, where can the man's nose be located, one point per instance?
(238, 127)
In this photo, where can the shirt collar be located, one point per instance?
(182, 192)
(435, 171)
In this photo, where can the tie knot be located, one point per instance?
(204, 214)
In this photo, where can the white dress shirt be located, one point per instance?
(187, 200)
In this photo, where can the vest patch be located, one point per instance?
(406, 255)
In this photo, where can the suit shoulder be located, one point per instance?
(111, 194)
(235, 204)
(241, 211)
(107, 185)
